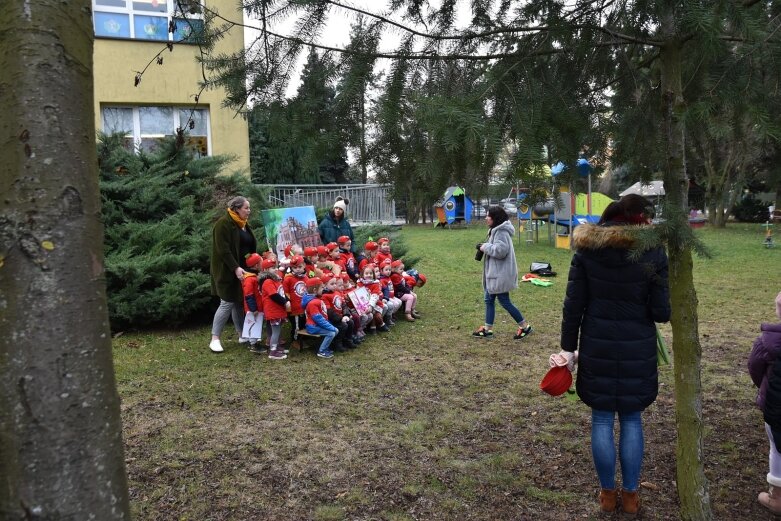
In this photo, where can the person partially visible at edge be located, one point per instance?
(613, 299)
(232, 241)
(335, 224)
(500, 273)
(764, 366)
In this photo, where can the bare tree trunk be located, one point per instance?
(61, 454)
(364, 159)
(692, 485)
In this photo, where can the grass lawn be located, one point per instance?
(427, 422)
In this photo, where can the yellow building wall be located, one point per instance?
(175, 82)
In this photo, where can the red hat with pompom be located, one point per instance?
(310, 251)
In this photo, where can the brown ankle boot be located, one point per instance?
(771, 499)
(607, 499)
(630, 502)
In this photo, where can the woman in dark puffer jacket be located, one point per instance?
(612, 302)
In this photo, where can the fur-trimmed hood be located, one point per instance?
(595, 237)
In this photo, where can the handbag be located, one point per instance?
(542, 268)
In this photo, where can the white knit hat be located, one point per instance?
(341, 204)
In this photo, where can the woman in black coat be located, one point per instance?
(612, 302)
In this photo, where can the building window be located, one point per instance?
(163, 20)
(147, 126)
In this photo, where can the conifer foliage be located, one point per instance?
(158, 211)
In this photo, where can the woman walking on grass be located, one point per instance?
(613, 299)
(232, 241)
(500, 272)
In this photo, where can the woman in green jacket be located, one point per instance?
(232, 241)
(335, 224)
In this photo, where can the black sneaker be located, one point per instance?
(257, 348)
(522, 332)
(482, 332)
(383, 329)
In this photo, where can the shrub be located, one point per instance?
(158, 211)
(750, 210)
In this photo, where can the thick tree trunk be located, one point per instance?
(61, 454)
(692, 485)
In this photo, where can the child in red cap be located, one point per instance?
(275, 307)
(334, 302)
(295, 289)
(375, 299)
(369, 252)
(316, 312)
(392, 302)
(383, 250)
(349, 262)
(403, 292)
(253, 304)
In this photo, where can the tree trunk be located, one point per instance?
(61, 454)
(363, 159)
(692, 485)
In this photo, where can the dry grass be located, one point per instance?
(427, 422)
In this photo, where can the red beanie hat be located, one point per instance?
(396, 263)
(322, 250)
(370, 246)
(310, 251)
(313, 281)
(421, 279)
(331, 246)
(267, 263)
(386, 262)
(296, 260)
(343, 239)
(252, 260)
(382, 239)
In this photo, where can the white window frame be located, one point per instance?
(170, 14)
(136, 135)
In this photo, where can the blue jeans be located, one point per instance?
(630, 448)
(504, 300)
(328, 336)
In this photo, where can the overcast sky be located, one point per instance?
(337, 31)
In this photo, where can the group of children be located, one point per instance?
(310, 287)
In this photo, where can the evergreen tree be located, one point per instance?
(158, 212)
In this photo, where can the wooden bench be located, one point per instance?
(301, 334)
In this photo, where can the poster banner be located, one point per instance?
(360, 300)
(285, 226)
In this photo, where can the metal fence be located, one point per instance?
(368, 203)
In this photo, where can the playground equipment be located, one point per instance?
(768, 235)
(454, 207)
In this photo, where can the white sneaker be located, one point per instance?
(215, 346)
(243, 340)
